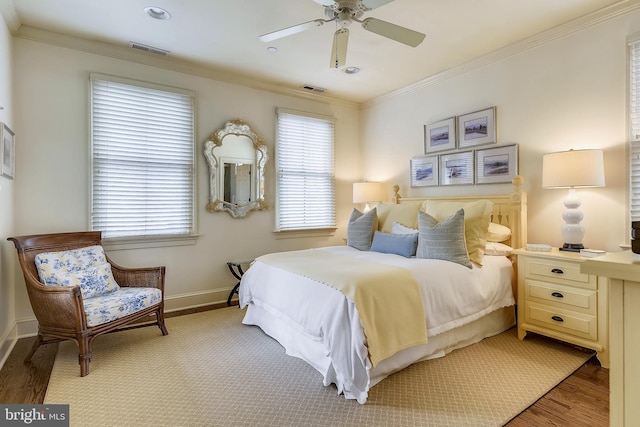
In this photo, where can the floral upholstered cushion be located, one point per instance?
(84, 267)
(122, 302)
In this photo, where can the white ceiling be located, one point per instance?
(223, 35)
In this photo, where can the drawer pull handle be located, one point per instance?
(557, 295)
(557, 318)
(557, 271)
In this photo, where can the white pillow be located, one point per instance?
(497, 249)
(498, 233)
(397, 228)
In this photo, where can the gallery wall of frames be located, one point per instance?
(458, 152)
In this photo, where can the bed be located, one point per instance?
(314, 303)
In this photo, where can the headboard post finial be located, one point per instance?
(396, 195)
(517, 182)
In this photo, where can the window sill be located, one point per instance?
(123, 243)
(297, 234)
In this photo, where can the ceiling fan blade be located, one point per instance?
(291, 30)
(372, 4)
(325, 2)
(393, 31)
(339, 49)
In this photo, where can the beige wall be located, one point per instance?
(566, 93)
(7, 311)
(52, 163)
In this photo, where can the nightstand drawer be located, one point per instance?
(559, 272)
(572, 323)
(571, 298)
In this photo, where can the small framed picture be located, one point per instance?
(496, 165)
(456, 168)
(7, 150)
(477, 128)
(440, 136)
(424, 171)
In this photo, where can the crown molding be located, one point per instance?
(607, 13)
(234, 77)
(169, 63)
(8, 12)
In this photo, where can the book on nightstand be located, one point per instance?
(591, 253)
(538, 247)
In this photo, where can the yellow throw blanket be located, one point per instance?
(387, 297)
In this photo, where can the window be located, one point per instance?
(142, 153)
(305, 192)
(634, 127)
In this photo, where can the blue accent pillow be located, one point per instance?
(399, 244)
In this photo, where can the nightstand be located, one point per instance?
(556, 300)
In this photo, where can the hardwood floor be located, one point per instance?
(582, 399)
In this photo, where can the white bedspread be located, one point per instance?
(453, 295)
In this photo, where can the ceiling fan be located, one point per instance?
(343, 13)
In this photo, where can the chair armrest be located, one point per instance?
(56, 306)
(147, 277)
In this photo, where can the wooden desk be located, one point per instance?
(623, 271)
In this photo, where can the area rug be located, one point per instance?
(213, 371)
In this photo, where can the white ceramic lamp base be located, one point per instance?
(572, 230)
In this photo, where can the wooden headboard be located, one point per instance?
(509, 209)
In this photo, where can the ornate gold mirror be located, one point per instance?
(236, 156)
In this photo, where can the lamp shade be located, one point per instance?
(573, 169)
(365, 192)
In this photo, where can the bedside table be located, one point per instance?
(556, 300)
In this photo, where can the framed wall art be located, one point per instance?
(456, 168)
(7, 150)
(440, 136)
(424, 171)
(496, 165)
(477, 128)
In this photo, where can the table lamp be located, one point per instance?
(573, 169)
(366, 192)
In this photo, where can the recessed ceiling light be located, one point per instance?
(272, 49)
(351, 70)
(157, 12)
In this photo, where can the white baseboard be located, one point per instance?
(7, 343)
(196, 299)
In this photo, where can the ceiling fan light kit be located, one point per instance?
(344, 13)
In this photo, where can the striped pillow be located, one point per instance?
(443, 240)
(360, 229)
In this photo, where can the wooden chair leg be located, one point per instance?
(34, 347)
(160, 318)
(84, 355)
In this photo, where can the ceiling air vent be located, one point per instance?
(149, 49)
(313, 88)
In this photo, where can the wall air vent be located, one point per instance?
(149, 49)
(313, 88)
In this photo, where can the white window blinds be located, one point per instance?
(634, 128)
(142, 159)
(305, 196)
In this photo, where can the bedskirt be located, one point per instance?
(299, 344)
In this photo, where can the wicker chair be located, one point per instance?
(60, 310)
